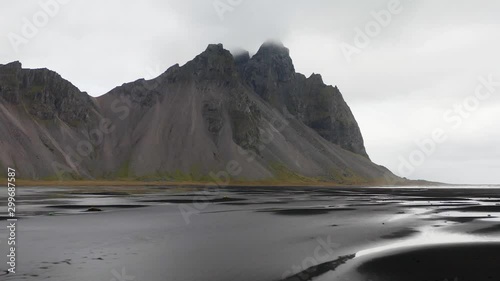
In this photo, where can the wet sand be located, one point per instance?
(465, 261)
(256, 233)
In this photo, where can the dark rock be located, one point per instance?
(44, 94)
(272, 75)
(215, 117)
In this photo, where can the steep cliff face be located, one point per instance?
(44, 94)
(216, 117)
(271, 74)
(43, 118)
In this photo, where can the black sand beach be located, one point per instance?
(465, 261)
(257, 233)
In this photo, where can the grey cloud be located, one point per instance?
(427, 59)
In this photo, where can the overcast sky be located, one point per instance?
(417, 62)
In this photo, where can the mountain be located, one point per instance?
(217, 117)
(271, 74)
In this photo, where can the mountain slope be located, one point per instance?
(215, 118)
(43, 117)
(271, 74)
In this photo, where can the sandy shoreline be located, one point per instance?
(244, 233)
(265, 183)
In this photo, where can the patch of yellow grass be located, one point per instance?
(123, 183)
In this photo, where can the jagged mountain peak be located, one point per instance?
(215, 47)
(271, 74)
(191, 120)
(316, 78)
(213, 63)
(274, 47)
(273, 60)
(274, 54)
(213, 51)
(14, 64)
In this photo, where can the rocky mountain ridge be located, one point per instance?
(217, 117)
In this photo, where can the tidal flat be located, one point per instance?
(255, 233)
